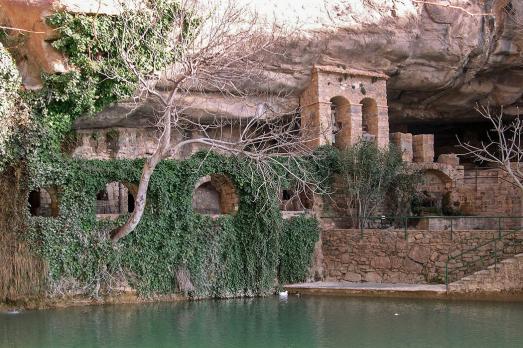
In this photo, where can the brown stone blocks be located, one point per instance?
(404, 143)
(449, 158)
(423, 148)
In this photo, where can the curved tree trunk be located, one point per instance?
(147, 171)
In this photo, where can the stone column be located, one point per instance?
(356, 121)
(382, 138)
(423, 146)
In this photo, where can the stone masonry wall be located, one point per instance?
(386, 256)
(488, 192)
(506, 276)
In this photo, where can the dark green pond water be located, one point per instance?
(269, 322)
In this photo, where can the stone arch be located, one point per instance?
(215, 194)
(369, 119)
(43, 202)
(290, 200)
(433, 187)
(340, 122)
(115, 198)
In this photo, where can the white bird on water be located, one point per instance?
(283, 294)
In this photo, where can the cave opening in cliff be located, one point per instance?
(115, 199)
(215, 194)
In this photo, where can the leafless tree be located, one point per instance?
(504, 146)
(219, 52)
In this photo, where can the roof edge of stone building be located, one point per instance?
(349, 71)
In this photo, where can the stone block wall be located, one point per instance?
(386, 256)
(215, 194)
(489, 192)
(114, 200)
(423, 148)
(449, 158)
(130, 143)
(506, 276)
(403, 141)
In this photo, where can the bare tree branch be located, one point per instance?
(503, 148)
(219, 51)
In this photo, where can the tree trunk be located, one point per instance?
(147, 171)
(140, 200)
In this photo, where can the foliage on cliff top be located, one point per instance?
(15, 125)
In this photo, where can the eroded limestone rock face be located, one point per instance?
(441, 60)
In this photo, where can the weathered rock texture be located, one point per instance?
(385, 256)
(440, 60)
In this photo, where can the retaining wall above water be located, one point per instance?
(385, 256)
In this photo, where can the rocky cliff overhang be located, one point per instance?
(442, 60)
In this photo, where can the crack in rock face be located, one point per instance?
(441, 60)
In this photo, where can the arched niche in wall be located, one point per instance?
(296, 200)
(433, 186)
(43, 202)
(115, 199)
(369, 119)
(215, 194)
(340, 122)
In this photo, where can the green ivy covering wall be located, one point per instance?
(240, 255)
(234, 255)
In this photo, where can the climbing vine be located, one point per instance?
(233, 255)
(241, 254)
(98, 76)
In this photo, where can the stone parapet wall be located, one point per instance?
(507, 276)
(386, 256)
(489, 192)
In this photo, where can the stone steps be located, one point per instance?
(507, 275)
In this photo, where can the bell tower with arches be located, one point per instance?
(343, 105)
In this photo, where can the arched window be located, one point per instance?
(115, 199)
(369, 119)
(43, 202)
(215, 194)
(340, 122)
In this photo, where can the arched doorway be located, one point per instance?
(340, 124)
(215, 194)
(369, 119)
(115, 199)
(433, 187)
(43, 202)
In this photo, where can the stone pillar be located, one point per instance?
(323, 124)
(311, 113)
(403, 142)
(423, 148)
(343, 122)
(356, 123)
(382, 140)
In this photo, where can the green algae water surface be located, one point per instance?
(270, 322)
